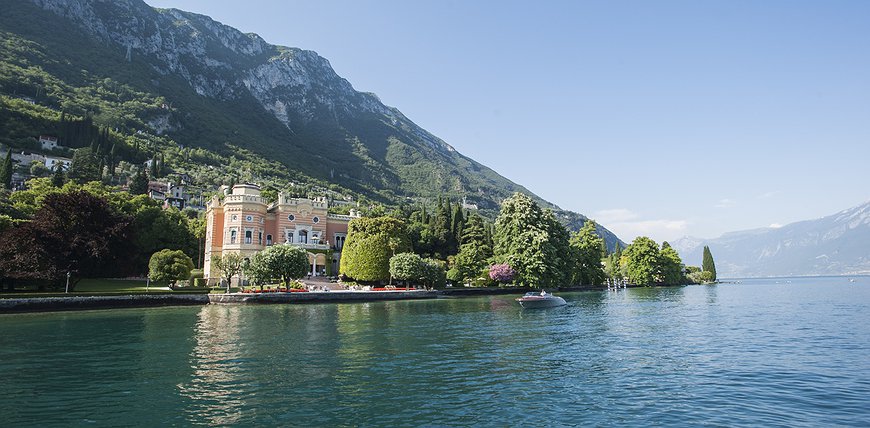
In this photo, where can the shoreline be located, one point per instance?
(85, 303)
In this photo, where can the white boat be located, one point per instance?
(543, 299)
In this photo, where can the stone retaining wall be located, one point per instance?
(315, 297)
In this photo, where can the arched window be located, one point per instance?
(233, 236)
(268, 239)
(303, 236)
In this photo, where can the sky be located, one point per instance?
(664, 119)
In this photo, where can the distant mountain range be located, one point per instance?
(190, 81)
(838, 244)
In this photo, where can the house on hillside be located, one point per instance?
(51, 162)
(48, 142)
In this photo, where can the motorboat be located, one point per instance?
(543, 299)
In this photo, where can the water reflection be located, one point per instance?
(215, 360)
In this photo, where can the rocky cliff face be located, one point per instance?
(833, 245)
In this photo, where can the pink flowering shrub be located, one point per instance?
(502, 272)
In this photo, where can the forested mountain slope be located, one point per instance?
(220, 102)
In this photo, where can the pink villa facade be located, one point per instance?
(243, 222)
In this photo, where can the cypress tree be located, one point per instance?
(139, 183)
(153, 171)
(6, 171)
(58, 178)
(708, 265)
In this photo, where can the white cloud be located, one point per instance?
(628, 225)
(775, 226)
(725, 203)
(615, 215)
(767, 195)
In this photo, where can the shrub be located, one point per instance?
(169, 265)
(502, 273)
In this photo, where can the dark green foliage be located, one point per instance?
(474, 253)
(6, 171)
(532, 242)
(671, 266)
(170, 266)
(370, 244)
(58, 178)
(433, 274)
(587, 249)
(642, 261)
(139, 182)
(85, 166)
(708, 265)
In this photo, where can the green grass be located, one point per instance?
(103, 287)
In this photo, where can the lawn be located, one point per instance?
(103, 287)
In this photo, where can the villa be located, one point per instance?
(239, 220)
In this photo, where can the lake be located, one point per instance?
(772, 352)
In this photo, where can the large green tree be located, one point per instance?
(85, 166)
(532, 241)
(474, 253)
(406, 267)
(708, 265)
(170, 266)
(670, 265)
(370, 244)
(588, 249)
(642, 261)
(282, 262)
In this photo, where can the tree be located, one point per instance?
(74, 232)
(228, 265)
(588, 250)
(169, 265)
(532, 241)
(370, 244)
(707, 264)
(670, 265)
(283, 262)
(139, 183)
(642, 261)
(6, 171)
(406, 267)
(85, 166)
(614, 266)
(474, 252)
(433, 274)
(58, 178)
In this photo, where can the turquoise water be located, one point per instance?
(761, 352)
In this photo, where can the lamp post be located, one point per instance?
(67, 283)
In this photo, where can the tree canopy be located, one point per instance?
(532, 241)
(170, 266)
(370, 244)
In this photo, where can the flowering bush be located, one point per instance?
(503, 272)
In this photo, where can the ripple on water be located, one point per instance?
(753, 354)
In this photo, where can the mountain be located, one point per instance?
(838, 244)
(170, 81)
